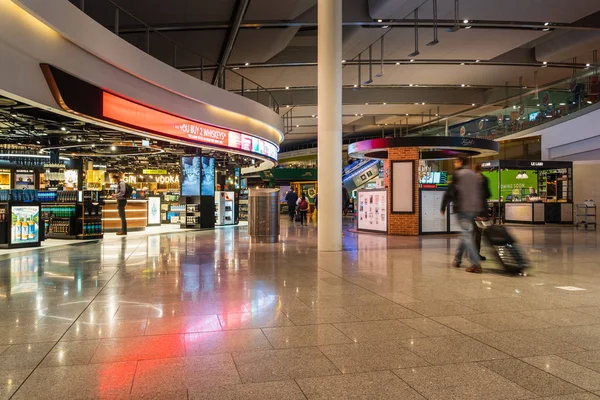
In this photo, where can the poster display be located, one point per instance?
(122, 110)
(403, 188)
(372, 210)
(154, 210)
(190, 170)
(208, 176)
(24, 226)
(24, 179)
(71, 178)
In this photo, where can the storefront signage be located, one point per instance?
(463, 130)
(139, 116)
(486, 165)
(537, 164)
(162, 179)
(155, 172)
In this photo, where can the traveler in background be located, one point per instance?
(345, 200)
(291, 198)
(464, 192)
(303, 208)
(121, 197)
(485, 195)
(317, 201)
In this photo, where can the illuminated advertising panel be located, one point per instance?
(122, 110)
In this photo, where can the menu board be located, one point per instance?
(140, 116)
(24, 227)
(372, 210)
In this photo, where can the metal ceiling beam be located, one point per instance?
(240, 9)
(404, 23)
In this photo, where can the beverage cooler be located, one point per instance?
(225, 209)
(19, 219)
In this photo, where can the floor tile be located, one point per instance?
(11, 380)
(187, 324)
(381, 312)
(197, 344)
(461, 381)
(184, 373)
(567, 370)
(586, 337)
(578, 396)
(321, 316)
(429, 327)
(273, 365)
(439, 308)
(461, 324)
(367, 356)
(162, 395)
(524, 343)
(251, 391)
(107, 381)
(589, 359)
(371, 385)
(71, 353)
(531, 378)
(39, 332)
(112, 329)
(254, 320)
(452, 349)
(139, 348)
(563, 317)
(507, 321)
(304, 336)
(24, 356)
(377, 331)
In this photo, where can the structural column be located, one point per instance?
(330, 124)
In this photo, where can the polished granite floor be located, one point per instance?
(207, 315)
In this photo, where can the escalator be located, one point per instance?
(359, 173)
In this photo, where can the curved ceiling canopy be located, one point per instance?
(432, 147)
(79, 97)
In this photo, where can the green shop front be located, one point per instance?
(531, 192)
(301, 180)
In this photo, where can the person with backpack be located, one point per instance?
(123, 193)
(303, 209)
(464, 192)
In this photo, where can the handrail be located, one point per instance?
(271, 101)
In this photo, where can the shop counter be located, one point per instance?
(136, 213)
(538, 213)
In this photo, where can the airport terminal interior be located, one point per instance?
(260, 199)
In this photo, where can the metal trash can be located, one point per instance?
(263, 215)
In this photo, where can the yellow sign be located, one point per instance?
(154, 172)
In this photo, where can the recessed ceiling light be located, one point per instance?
(356, 115)
(79, 139)
(466, 21)
(407, 115)
(477, 61)
(468, 27)
(410, 84)
(385, 26)
(397, 63)
(412, 60)
(343, 61)
(546, 29)
(514, 107)
(422, 104)
(379, 20)
(287, 88)
(384, 104)
(113, 148)
(545, 62)
(462, 63)
(473, 104)
(62, 128)
(537, 105)
(93, 145)
(355, 85)
(235, 68)
(246, 64)
(463, 85)
(436, 115)
(288, 106)
(102, 140)
(416, 104)
(547, 23)
(588, 65)
(313, 115)
(38, 142)
(366, 104)
(297, 126)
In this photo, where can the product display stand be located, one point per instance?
(20, 224)
(89, 216)
(190, 218)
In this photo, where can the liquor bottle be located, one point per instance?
(24, 230)
(17, 228)
(31, 228)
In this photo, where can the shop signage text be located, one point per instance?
(537, 164)
(155, 172)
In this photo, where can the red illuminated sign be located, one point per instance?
(139, 116)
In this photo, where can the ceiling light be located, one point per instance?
(473, 104)
(562, 104)
(93, 145)
(234, 68)
(410, 84)
(465, 21)
(361, 115)
(379, 20)
(356, 115)
(288, 106)
(297, 126)
(287, 88)
(589, 102)
(436, 115)
(422, 104)
(462, 63)
(416, 104)
(412, 60)
(38, 142)
(477, 61)
(79, 140)
(468, 27)
(546, 23)
(551, 104)
(463, 85)
(62, 128)
(385, 26)
(514, 107)
(588, 65)
(407, 115)
(385, 124)
(355, 86)
(384, 104)
(366, 104)
(546, 29)
(113, 148)
(343, 61)
(313, 115)
(246, 64)
(397, 63)
(545, 63)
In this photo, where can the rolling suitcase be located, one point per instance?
(504, 246)
(298, 216)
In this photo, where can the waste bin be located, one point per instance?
(263, 215)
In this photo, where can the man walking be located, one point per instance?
(121, 197)
(291, 198)
(464, 192)
(485, 195)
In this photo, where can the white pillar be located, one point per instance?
(330, 125)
